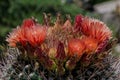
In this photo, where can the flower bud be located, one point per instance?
(60, 52)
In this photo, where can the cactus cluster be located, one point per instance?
(60, 51)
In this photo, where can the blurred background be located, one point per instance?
(12, 12)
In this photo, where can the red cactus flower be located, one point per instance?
(29, 32)
(76, 47)
(93, 28)
(35, 36)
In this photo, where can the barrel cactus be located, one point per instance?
(60, 51)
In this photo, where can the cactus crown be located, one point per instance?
(63, 48)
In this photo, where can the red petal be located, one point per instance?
(28, 23)
(90, 43)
